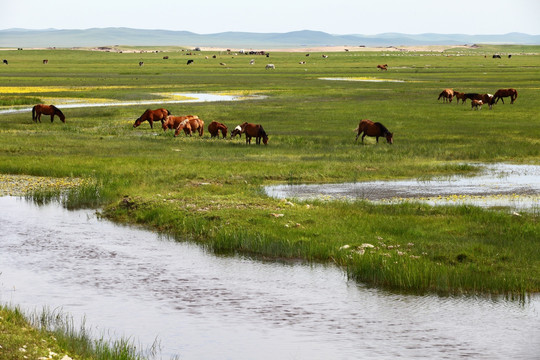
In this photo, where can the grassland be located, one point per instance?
(210, 191)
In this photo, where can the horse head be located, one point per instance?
(137, 122)
(389, 137)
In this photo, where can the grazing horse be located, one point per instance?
(487, 99)
(172, 122)
(188, 123)
(447, 95)
(502, 93)
(215, 127)
(237, 131)
(476, 104)
(256, 131)
(52, 110)
(270, 66)
(382, 67)
(460, 96)
(151, 116)
(376, 130)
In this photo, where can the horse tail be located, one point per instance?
(34, 113)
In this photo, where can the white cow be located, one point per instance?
(270, 66)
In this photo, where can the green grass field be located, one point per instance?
(210, 191)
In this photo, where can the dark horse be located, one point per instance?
(256, 131)
(377, 130)
(151, 116)
(215, 127)
(501, 93)
(52, 110)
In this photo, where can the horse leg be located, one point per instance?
(377, 138)
(363, 136)
(52, 117)
(151, 123)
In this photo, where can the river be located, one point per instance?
(130, 282)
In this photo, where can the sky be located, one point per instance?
(279, 16)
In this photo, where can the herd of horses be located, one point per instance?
(477, 100)
(192, 123)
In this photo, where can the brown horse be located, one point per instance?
(256, 131)
(502, 93)
(151, 116)
(376, 130)
(172, 122)
(447, 95)
(460, 96)
(189, 124)
(383, 67)
(476, 104)
(215, 127)
(52, 110)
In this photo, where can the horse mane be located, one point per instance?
(262, 132)
(383, 128)
(56, 109)
(168, 112)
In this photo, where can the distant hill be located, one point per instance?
(137, 37)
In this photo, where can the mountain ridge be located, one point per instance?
(17, 37)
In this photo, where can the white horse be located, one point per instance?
(270, 66)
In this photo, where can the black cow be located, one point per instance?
(5, 61)
(189, 62)
(496, 56)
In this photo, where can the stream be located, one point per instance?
(128, 282)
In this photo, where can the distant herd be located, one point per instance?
(477, 100)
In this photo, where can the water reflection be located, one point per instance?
(200, 306)
(508, 185)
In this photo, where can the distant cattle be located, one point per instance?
(45, 61)
(5, 61)
(141, 63)
(307, 54)
(165, 57)
(509, 56)
(252, 61)
(270, 66)
(302, 62)
(325, 56)
(222, 64)
(496, 56)
(189, 62)
(382, 67)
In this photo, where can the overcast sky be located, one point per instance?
(331, 16)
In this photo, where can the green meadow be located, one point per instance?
(211, 190)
